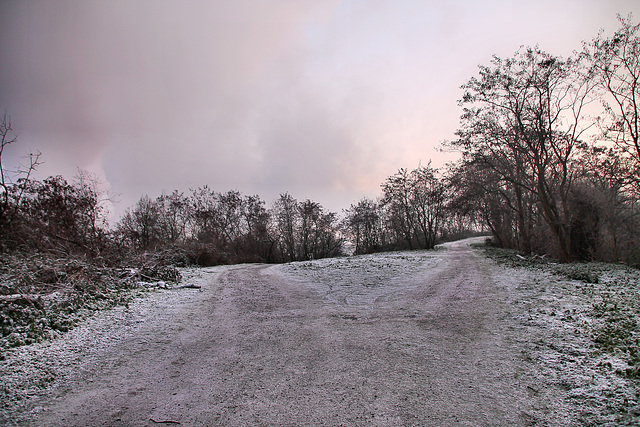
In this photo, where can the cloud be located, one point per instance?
(155, 92)
(322, 99)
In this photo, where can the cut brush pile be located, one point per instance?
(42, 296)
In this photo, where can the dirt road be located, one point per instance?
(260, 345)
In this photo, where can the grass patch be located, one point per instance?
(588, 318)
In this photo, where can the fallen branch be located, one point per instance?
(165, 421)
(189, 287)
(13, 297)
(144, 276)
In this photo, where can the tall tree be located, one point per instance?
(310, 216)
(397, 201)
(258, 242)
(286, 215)
(364, 223)
(428, 201)
(318, 231)
(414, 205)
(524, 117)
(205, 215)
(616, 63)
(140, 225)
(13, 184)
(174, 216)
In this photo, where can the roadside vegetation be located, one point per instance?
(582, 323)
(44, 296)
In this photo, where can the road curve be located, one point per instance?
(256, 348)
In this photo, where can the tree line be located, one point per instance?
(206, 227)
(231, 227)
(551, 156)
(550, 163)
(215, 228)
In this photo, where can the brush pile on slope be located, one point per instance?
(42, 296)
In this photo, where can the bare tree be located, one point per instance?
(428, 201)
(616, 63)
(140, 225)
(258, 244)
(12, 184)
(204, 211)
(310, 216)
(318, 235)
(5, 140)
(397, 202)
(175, 216)
(414, 202)
(95, 206)
(364, 223)
(286, 215)
(525, 118)
(229, 219)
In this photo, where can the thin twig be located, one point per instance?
(189, 287)
(165, 421)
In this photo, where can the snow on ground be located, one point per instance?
(581, 337)
(570, 330)
(36, 370)
(360, 280)
(577, 327)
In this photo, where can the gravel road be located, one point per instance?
(264, 345)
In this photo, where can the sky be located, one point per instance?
(323, 99)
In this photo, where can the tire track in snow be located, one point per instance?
(258, 347)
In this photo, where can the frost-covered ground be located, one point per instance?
(38, 370)
(578, 325)
(581, 332)
(361, 280)
(577, 328)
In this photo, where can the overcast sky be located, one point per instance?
(323, 99)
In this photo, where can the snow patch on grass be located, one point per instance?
(580, 331)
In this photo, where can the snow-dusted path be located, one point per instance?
(401, 339)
